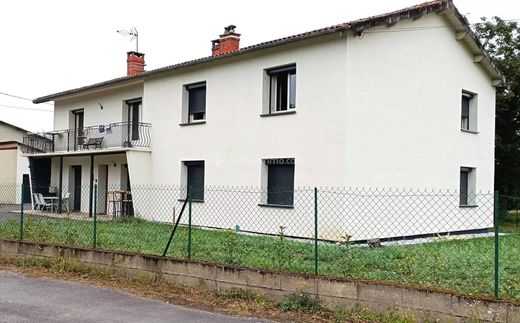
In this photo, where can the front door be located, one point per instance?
(26, 195)
(76, 206)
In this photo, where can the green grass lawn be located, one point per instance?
(461, 265)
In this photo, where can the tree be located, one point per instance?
(501, 39)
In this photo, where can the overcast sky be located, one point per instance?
(51, 46)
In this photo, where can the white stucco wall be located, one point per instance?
(114, 112)
(404, 105)
(382, 110)
(13, 167)
(235, 138)
(111, 100)
(114, 162)
(8, 133)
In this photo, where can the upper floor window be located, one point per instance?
(194, 103)
(282, 88)
(468, 119)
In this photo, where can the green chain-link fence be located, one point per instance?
(420, 237)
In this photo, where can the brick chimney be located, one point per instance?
(135, 63)
(229, 41)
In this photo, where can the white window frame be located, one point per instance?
(472, 121)
(471, 186)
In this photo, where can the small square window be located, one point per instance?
(282, 88)
(195, 179)
(280, 181)
(467, 186)
(195, 108)
(468, 119)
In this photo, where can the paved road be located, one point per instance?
(27, 299)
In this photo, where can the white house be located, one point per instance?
(14, 168)
(400, 100)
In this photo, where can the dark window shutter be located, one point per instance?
(290, 69)
(196, 179)
(464, 187)
(465, 106)
(197, 100)
(292, 90)
(135, 121)
(281, 91)
(280, 184)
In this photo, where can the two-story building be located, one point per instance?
(400, 100)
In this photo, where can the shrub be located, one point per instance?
(300, 302)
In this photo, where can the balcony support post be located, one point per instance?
(91, 186)
(60, 189)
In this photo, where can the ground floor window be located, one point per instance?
(195, 178)
(467, 186)
(280, 181)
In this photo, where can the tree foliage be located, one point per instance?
(501, 39)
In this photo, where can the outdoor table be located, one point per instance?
(53, 201)
(122, 199)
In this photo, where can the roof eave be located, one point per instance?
(480, 55)
(445, 7)
(208, 59)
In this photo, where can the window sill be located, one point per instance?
(274, 114)
(468, 206)
(469, 131)
(192, 201)
(278, 206)
(194, 123)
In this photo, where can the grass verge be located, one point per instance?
(465, 266)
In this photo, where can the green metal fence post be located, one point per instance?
(496, 225)
(189, 221)
(21, 212)
(94, 238)
(315, 230)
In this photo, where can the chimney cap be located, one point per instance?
(135, 53)
(230, 31)
(230, 28)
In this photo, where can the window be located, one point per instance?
(195, 179)
(280, 181)
(282, 89)
(196, 96)
(467, 186)
(468, 119)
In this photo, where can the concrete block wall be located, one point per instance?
(331, 292)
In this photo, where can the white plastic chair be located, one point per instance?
(44, 205)
(65, 200)
(36, 202)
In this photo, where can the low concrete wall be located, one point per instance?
(332, 292)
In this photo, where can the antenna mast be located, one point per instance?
(132, 32)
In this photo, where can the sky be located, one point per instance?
(51, 46)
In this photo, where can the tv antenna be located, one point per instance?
(132, 32)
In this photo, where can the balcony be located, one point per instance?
(92, 138)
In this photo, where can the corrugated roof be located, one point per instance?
(357, 26)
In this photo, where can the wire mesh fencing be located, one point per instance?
(507, 245)
(420, 237)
